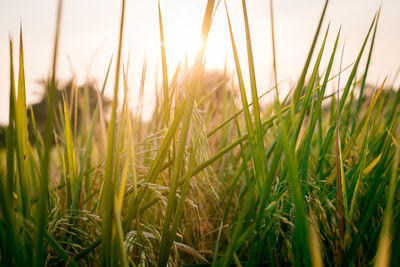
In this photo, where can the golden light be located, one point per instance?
(180, 44)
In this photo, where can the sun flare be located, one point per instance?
(178, 46)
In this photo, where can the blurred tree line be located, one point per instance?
(86, 95)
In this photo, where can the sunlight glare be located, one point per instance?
(178, 44)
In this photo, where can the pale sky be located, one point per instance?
(89, 35)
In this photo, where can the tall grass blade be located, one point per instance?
(301, 81)
(10, 135)
(274, 52)
(364, 79)
(108, 223)
(164, 68)
(22, 136)
(187, 115)
(384, 248)
(48, 137)
(84, 159)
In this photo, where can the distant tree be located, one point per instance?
(87, 98)
(2, 137)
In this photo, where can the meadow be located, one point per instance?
(213, 178)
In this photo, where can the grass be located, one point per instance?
(211, 178)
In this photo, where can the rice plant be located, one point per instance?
(212, 178)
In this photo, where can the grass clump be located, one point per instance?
(211, 178)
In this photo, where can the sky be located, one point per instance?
(90, 28)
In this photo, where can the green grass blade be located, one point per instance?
(274, 52)
(22, 136)
(37, 136)
(13, 251)
(110, 181)
(164, 68)
(317, 111)
(246, 110)
(360, 96)
(70, 154)
(302, 229)
(309, 89)
(355, 67)
(10, 138)
(187, 115)
(384, 251)
(301, 81)
(44, 179)
(84, 159)
(60, 250)
(256, 108)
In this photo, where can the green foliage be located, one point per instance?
(211, 178)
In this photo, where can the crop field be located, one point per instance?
(216, 176)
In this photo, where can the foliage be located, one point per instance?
(213, 177)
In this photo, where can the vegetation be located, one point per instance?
(213, 177)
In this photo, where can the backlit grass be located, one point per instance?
(213, 177)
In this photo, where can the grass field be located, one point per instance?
(213, 178)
